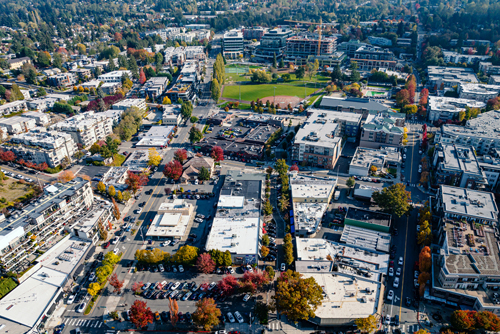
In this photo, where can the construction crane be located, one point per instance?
(319, 30)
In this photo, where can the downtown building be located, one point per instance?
(272, 44)
(371, 57)
(383, 129)
(442, 108)
(232, 44)
(303, 48)
(86, 128)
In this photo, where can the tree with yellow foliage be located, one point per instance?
(154, 159)
(166, 100)
(94, 289)
(66, 176)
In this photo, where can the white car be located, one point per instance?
(400, 261)
(166, 243)
(249, 268)
(283, 267)
(116, 251)
(181, 268)
(175, 286)
(70, 300)
(231, 270)
(396, 283)
(238, 317)
(415, 283)
(391, 271)
(230, 317)
(387, 319)
(211, 286)
(80, 308)
(404, 156)
(390, 295)
(246, 297)
(138, 211)
(198, 220)
(146, 286)
(92, 277)
(162, 269)
(416, 273)
(398, 272)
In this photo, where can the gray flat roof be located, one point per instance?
(468, 202)
(372, 217)
(356, 103)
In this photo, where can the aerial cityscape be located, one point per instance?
(242, 167)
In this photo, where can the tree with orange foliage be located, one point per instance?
(174, 310)
(135, 181)
(140, 314)
(116, 283)
(66, 176)
(142, 77)
(118, 36)
(425, 260)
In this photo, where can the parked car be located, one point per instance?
(283, 267)
(70, 300)
(391, 271)
(230, 317)
(238, 317)
(246, 297)
(390, 295)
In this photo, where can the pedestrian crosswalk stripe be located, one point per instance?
(100, 324)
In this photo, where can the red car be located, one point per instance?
(106, 245)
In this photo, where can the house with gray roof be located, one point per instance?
(383, 129)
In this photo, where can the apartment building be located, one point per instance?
(194, 52)
(494, 80)
(457, 165)
(86, 128)
(254, 33)
(364, 158)
(47, 215)
(17, 63)
(82, 73)
(316, 143)
(115, 76)
(272, 43)
(448, 108)
(299, 48)
(12, 107)
(372, 57)
(383, 129)
(490, 165)
(67, 79)
(447, 77)
(155, 87)
(17, 124)
(40, 118)
(41, 104)
(129, 103)
(348, 123)
(41, 146)
(232, 44)
(353, 105)
(478, 92)
(488, 68)
(349, 48)
(184, 87)
(310, 198)
(480, 132)
(380, 41)
(458, 58)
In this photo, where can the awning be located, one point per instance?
(291, 213)
(292, 229)
(291, 221)
(78, 271)
(90, 253)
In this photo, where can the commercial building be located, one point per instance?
(137, 161)
(458, 58)
(480, 132)
(111, 88)
(193, 166)
(41, 146)
(457, 165)
(86, 128)
(380, 41)
(254, 33)
(371, 57)
(17, 63)
(44, 216)
(448, 108)
(129, 103)
(349, 48)
(185, 86)
(370, 220)
(317, 142)
(67, 79)
(467, 205)
(479, 92)
(300, 47)
(40, 118)
(364, 158)
(115, 76)
(273, 43)
(237, 225)
(348, 122)
(255, 120)
(157, 136)
(155, 87)
(12, 107)
(383, 129)
(232, 44)
(354, 105)
(353, 290)
(17, 124)
(494, 79)
(447, 77)
(172, 220)
(490, 165)
(171, 115)
(310, 198)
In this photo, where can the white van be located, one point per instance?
(336, 195)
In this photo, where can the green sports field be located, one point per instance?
(254, 92)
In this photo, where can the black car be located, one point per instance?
(408, 301)
(165, 315)
(122, 239)
(396, 320)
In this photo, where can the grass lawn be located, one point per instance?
(241, 106)
(253, 92)
(11, 190)
(236, 77)
(118, 160)
(242, 66)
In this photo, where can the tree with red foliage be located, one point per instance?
(140, 314)
(108, 101)
(217, 153)
(463, 320)
(470, 51)
(118, 36)
(7, 156)
(228, 285)
(424, 95)
(135, 182)
(42, 167)
(247, 287)
(294, 168)
(257, 277)
(180, 155)
(116, 283)
(142, 77)
(137, 286)
(21, 162)
(173, 170)
(205, 264)
(424, 259)
(488, 321)
(402, 97)
(411, 87)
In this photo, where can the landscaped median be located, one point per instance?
(102, 274)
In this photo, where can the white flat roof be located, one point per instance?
(238, 235)
(228, 201)
(71, 250)
(168, 225)
(346, 297)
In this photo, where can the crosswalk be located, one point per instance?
(273, 325)
(78, 322)
(413, 185)
(403, 328)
